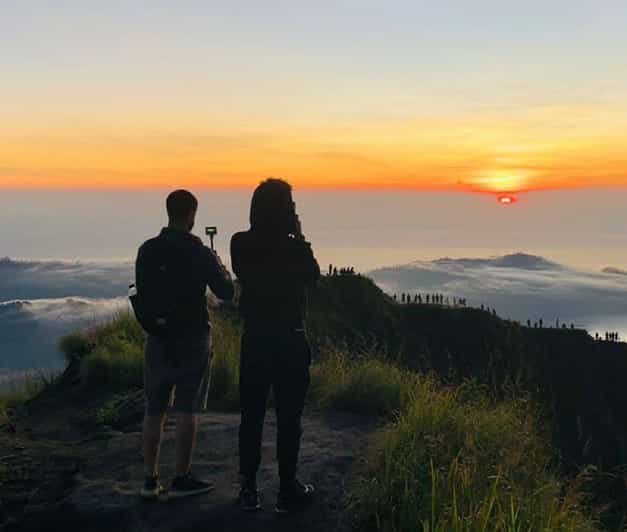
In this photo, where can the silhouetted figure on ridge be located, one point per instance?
(172, 273)
(275, 265)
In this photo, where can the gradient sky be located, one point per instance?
(489, 95)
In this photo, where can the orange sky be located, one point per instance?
(540, 149)
(504, 97)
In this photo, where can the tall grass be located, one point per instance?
(20, 390)
(448, 464)
(110, 357)
(224, 389)
(452, 459)
(366, 384)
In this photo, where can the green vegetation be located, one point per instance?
(110, 355)
(20, 391)
(366, 384)
(464, 449)
(224, 389)
(109, 358)
(453, 459)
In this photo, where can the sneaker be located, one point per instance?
(151, 489)
(188, 486)
(249, 499)
(295, 498)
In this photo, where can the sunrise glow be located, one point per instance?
(97, 101)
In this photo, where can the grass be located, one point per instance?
(450, 458)
(110, 357)
(19, 391)
(366, 385)
(224, 389)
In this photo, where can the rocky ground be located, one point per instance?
(57, 476)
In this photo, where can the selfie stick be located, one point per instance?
(211, 232)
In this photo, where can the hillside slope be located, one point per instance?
(579, 380)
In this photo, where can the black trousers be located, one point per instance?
(279, 359)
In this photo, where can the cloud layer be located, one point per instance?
(521, 287)
(40, 301)
(52, 279)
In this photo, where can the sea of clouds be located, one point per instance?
(40, 301)
(520, 287)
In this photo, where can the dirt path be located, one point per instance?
(103, 494)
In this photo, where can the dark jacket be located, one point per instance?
(192, 267)
(274, 272)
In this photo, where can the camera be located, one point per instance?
(211, 231)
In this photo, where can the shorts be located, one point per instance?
(177, 373)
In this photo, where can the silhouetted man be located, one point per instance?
(172, 273)
(275, 265)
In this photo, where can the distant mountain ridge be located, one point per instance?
(614, 271)
(521, 261)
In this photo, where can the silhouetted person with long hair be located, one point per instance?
(172, 273)
(275, 265)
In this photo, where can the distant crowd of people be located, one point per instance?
(430, 299)
(608, 337)
(444, 300)
(539, 324)
(345, 270)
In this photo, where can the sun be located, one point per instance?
(506, 199)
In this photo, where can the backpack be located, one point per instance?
(155, 302)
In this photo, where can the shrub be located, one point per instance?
(75, 346)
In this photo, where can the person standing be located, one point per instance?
(172, 273)
(274, 265)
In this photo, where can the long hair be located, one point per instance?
(272, 208)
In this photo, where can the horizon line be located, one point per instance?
(366, 187)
